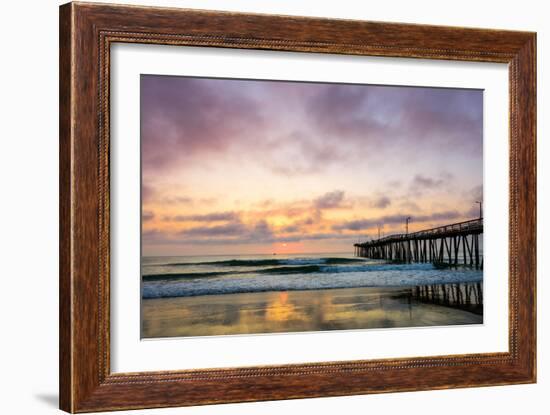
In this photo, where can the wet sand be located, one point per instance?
(295, 311)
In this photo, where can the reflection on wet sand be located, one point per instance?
(318, 310)
(463, 296)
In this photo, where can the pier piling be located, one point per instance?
(439, 245)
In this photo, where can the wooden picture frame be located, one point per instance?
(86, 33)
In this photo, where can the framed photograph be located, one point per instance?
(258, 207)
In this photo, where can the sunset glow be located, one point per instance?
(242, 167)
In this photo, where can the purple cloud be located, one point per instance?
(253, 235)
(209, 217)
(361, 224)
(183, 116)
(177, 200)
(381, 202)
(384, 116)
(237, 231)
(147, 215)
(230, 229)
(424, 182)
(317, 124)
(329, 200)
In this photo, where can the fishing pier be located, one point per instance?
(453, 244)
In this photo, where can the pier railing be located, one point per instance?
(429, 245)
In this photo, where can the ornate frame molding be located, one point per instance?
(86, 33)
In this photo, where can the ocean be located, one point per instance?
(190, 276)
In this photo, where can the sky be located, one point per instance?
(239, 167)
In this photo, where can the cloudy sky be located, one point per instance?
(242, 167)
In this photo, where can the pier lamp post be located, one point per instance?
(480, 203)
(407, 224)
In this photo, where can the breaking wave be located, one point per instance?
(287, 274)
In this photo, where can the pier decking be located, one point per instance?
(441, 245)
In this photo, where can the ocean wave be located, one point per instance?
(297, 269)
(305, 269)
(266, 262)
(181, 276)
(305, 281)
(277, 270)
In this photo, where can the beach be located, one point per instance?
(300, 311)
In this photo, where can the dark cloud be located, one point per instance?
(308, 221)
(209, 217)
(147, 192)
(381, 202)
(312, 237)
(438, 216)
(239, 232)
(313, 125)
(152, 236)
(445, 117)
(330, 200)
(421, 184)
(147, 215)
(361, 224)
(384, 116)
(342, 110)
(424, 182)
(259, 234)
(177, 200)
(261, 231)
(230, 229)
(181, 117)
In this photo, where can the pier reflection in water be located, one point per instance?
(316, 310)
(463, 296)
